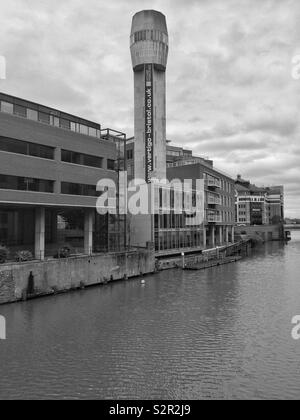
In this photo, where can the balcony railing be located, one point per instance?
(210, 182)
(213, 218)
(214, 200)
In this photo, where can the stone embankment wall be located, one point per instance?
(25, 280)
(266, 233)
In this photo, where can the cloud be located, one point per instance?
(230, 93)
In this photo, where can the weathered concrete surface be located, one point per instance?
(53, 276)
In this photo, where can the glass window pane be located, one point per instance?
(92, 132)
(32, 115)
(56, 121)
(44, 118)
(110, 164)
(20, 110)
(26, 184)
(13, 146)
(84, 129)
(78, 189)
(7, 107)
(65, 124)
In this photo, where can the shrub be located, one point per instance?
(22, 256)
(4, 252)
(63, 252)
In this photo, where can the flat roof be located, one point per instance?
(48, 110)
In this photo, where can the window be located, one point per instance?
(93, 161)
(56, 121)
(129, 154)
(81, 159)
(25, 148)
(13, 146)
(65, 124)
(44, 118)
(40, 151)
(84, 129)
(7, 107)
(92, 132)
(9, 182)
(20, 110)
(110, 164)
(32, 115)
(79, 189)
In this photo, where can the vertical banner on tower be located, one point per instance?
(149, 137)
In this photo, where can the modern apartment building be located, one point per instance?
(258, 205)
(173, 231)
(50, 163)
(219, 203)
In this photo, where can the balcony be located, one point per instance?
(213, 218)
(214, 200)
(213, 183)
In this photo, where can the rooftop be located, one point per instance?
(47, 115)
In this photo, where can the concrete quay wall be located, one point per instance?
(19, 281)
(266, 233)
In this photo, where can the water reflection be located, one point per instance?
(220, 333)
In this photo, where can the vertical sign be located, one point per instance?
(149, 138)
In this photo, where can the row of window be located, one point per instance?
(149, 35)
(46, 152)
(165, 240)
(10, 182)
(71, 188)
(249, 198)
(46, 118)
(81, 159)
(18, 183)
(26, 148)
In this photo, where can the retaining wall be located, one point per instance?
(266, 233)
(52, 276)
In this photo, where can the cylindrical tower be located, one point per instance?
(149, 53)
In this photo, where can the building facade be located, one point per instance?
(258, 205)
(173, 231)
(50, 163)
(219, 198)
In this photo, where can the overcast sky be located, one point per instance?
(230, 91)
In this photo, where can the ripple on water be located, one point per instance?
(220, 333)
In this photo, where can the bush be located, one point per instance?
(22, 256)
(63, 252)
(4, 253)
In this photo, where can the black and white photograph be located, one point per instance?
(149, 203)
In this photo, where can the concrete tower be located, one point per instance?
(149, 53)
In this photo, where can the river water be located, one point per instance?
(221, 333)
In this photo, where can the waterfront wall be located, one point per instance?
(241, 248)
(19, 281)
(266, 233)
